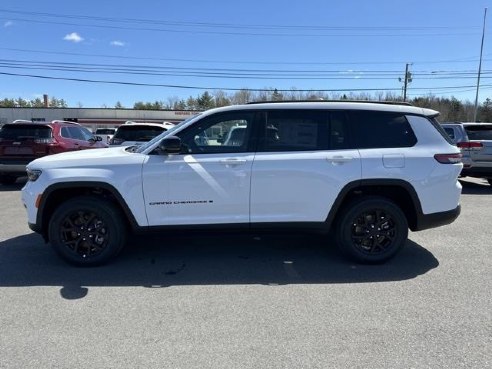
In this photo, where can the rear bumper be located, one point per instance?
(434, 220)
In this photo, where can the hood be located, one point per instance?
(88, 158)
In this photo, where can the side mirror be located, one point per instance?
(170, 145)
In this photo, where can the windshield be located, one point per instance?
(24, 131)
(479, 132)
(170, 131)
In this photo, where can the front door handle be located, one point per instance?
(232, 161)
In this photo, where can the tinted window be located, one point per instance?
(24, 131)
(450, 132)
(295, 130)
(76, 133)
(479, 132)
(381, 130)
(138, 133)
(219, 133)
(105, 131)
(338, 131)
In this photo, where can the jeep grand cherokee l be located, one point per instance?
(368, 171)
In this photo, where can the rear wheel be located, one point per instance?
(371, 230)
(87, 231)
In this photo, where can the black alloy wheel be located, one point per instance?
(87, 231)
(84, 233)
(371, 230)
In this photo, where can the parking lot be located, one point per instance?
(250, 300)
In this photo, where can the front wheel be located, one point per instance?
(371, 230)
(87, 231)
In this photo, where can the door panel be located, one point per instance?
(301, 166)
(293, 187)
(210, 181)
(197, 189)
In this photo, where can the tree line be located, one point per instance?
(451, 109)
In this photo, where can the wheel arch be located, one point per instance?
(401, 192)
(57, 193)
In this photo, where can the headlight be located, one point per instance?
(33, 174)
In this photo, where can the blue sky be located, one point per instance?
(353, 45)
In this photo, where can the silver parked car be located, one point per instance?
(475, 142)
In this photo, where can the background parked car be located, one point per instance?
(475, 142)
(23, 141)
(106, 134)
(132, 133)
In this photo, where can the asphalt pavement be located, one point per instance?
(250, 300)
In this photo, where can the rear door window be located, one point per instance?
(294, 130)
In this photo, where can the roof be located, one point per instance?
(143, 124)
(332, 105)
(23, 121)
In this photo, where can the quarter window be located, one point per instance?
(381, 130)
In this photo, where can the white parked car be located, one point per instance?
(106, 134)
(368, 171)
(132, 133)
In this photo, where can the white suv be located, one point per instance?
(368, 171)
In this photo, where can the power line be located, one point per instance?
(109, 68)
(226, 88)
(231, 25)
(208, 61)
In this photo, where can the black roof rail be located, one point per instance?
(339, 101)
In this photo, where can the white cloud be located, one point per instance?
(8, 24)
(73, 37)
(117, 43)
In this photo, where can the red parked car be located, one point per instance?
(23, 141)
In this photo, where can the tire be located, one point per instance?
(87, 231)
(371, 230)
(7, 179)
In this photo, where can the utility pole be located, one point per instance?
(406, 81)
(479, 68)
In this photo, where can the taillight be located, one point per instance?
(45, 140)
(448, 158)
(470, 145)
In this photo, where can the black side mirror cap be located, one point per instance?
(170, 145)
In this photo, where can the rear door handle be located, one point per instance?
(338, 159)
